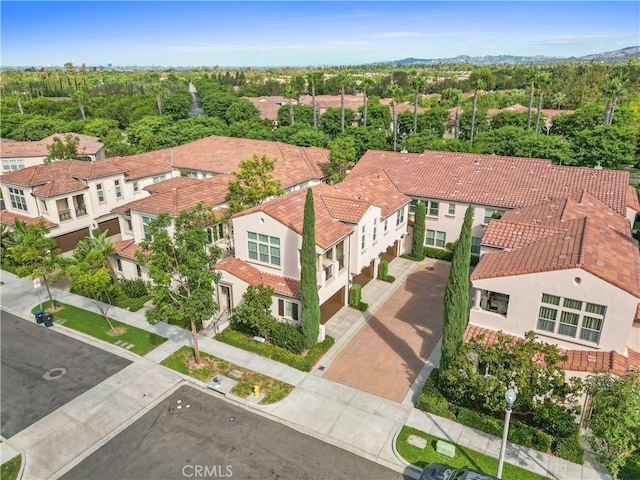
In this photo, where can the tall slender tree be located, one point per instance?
(313, 78)
(417, 241)
(614, 88)
(366, 86)
(343, 82)
(531, 76)
(543, 82)
(477, 86)
(456, 296)
(291, 94)
(417, 83)
(394, 91)
(310, 319)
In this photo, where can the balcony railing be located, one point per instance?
(81, 211)
(64, 215)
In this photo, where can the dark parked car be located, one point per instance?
(440, 471)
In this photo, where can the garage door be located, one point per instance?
(112, 225)
(329, 308)
(390, 253)
(68, 241)
(365, 275)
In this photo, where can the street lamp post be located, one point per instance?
(510, 397)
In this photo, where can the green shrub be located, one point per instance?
(555, 420)
(479, 421)
(569, 448)
(474, 260)
(520, 433)
(438, 253)
(317, 351)
(133, 288)
(287, 336)
(363, 307)
(355, 295)
(383, 269)
(542, 441)
(432, 401)
(131, 304)
(253, 316)
(388, 278)
(631, 469)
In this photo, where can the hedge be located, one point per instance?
(438, 253)
(355, 295)
(238, 339)
(569, 448)
(432, 401)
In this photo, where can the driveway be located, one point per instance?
(385, 357)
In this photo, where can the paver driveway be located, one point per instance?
(385, 357)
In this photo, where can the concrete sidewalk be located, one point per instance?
(362, 423)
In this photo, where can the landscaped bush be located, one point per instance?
(569, 448)
(253, 316)
(363, 307)
(480, 421)
(238, 339)
(131, 304)
(631, 470)
(355, 295)
(383, 272)
(432, 401)
(438, 253)
(555, 420)
(287, 336)
(133, 288)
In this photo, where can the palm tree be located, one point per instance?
(543, 82)
(456, 99)
(160, 92)
(613, 88)
(530, 76)
(366, 86)
(343, 82)
(559, 98)
(417, 83)
(80, 97)
(17, 96)
(394, 92)
(97, 242)
(290, 94)
(313, 78)
(477, 85)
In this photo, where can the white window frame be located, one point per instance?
(261, 241)
(118, 188)
(572, 319)
(452, 210)
(18, 199)
(438, 237)
(488, 214)
(145, 229)
(433, 208)
(400, 217)
(136, 187)
(100, 193)
(12, 164)
(363, 237)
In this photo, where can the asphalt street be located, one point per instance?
(193, 434)
(42, 370)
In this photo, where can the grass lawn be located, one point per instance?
(95, 325)
(183, 362)
(10, 469)
(464, 457)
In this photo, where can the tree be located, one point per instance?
(456, 296)
(313, 79)
(160, 92)
(331, 120)
(253, 316)
(366, 86)
(38, 256)
(97, 242)
(615, 418)
(343, 82)
(543, 82)
(394, 92)
(59, 150)
(613, 88)
(609, 146)
(310, 302)
(254, 183)
(17, 97)
(417, 241)
(81, 98)
(342, 155)
(417, 84)
(90, 278)
(531, 77)
(180, 262)
(477, 85)
(290, 93)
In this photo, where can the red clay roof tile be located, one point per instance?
(251, 275)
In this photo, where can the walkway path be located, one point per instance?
(360, 422)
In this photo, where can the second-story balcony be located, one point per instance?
(64, 215)
(81, 212)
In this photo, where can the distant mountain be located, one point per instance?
(618, 56)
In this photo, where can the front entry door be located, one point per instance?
(225, 297)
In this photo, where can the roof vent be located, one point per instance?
(567, 238)
(591, 358)
(598, 166)
(600, 263)
(562, 256)
(519, 234)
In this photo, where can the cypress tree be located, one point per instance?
(456, 296)
(308, 276)
(417, 242)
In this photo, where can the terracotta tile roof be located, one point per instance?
(500, 233)
(9, 218)
(333, 101)
(376, 189)
(345, 209)
(638, 312)
(10, 148)
(251, 275)
(289, 210)
(586, 235)
(210, 192)
(78, 169)
(167, 185)
(578, 360)
(268, 105)
(59, 187)
(509, 182)
(127, 248)
(402, 106)
(632, 199)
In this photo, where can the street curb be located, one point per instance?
(410, 470)
(21, 452)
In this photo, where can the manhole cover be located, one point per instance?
(429, 269)
(54, 373)
(321, 367)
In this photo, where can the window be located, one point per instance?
(432, 208)
(100, 193)
(18, 201)
(145, 229)
(264, 248)
(400, 217)
(43, 206)
(452, 209)
(288, 309)
(435, 238)
(116, 183)
(139, 271)
(575, 316)
(412, 206)
(188, 174)
(340, 255)
(386, 225)
(118, 264)
(375, 228)
(11, 164)
(136, 187)
(215, 233)
(158, 178)
(490, 213)
(363, 237)
(475, 245)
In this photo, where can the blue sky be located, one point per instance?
(244, 33)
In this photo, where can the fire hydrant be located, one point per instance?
(256, 390)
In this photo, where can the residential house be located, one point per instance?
(358, 223)
(17, 155)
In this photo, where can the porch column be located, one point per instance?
(476, 299)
